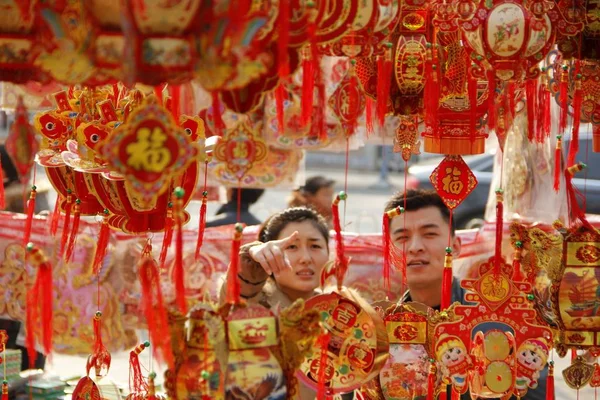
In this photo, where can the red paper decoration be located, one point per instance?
(453, 180)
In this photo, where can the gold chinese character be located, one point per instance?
(240, 151)
(148, 152)
(343, 316)
(359, 353)
(451, 181)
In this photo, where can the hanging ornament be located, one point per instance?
(406, 140)
(348, 101)
(453, 180)
(21, 144)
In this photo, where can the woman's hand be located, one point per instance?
(271, 255)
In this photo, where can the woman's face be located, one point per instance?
(307, 256)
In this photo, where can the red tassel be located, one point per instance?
(217, 117)
(341, 261)
(472, 88)
(29, 220)
(67, 222)
(431, 382)
(557, 163)
(284, 38)
(279, 98)
(233, 283)
(499, 230)
(432, 92)
(100, 359)
(384, 82)
(202, 226)
(55, 217)
(491, 75)
(531, 90)
(32, 324)
(4, 391)
(510, 87)
(577, 102)
(175, 106)
(323, 344)
(42, 297)
(550, 382)
(178, 273)
(167, 237)
(137, 385)
(74, 231)
(545, 114)
(369, 116)
(563, 100)
(447, 280)
(517, 274)
(154, 308)
(102, 246)
(310, 67)
(387, 247)
(573, 194)
(443, 395)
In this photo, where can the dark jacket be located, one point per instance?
(227, 215)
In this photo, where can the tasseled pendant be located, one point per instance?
(74, 231)
(66, 223)
(531, 89)
(544, 112)
(387, 247)
(557, 163)
(30, 211)
(323, 344)
(233, 283)
(31, 324)
(153, 306)
(550, 381)
(517, 274)
(577, 102)
(384, 82)
(167, 237)
(151, 387)
(202, 225)
(102, 246)
(55, 217)
(447, 280)
(432, 92)
(563, 100)
(431, 382)
(341, 261)
(491, 75)
(499, 230)
(42, 295)
(310, 66)
(5, 390)
(137, 385)
(100, 359)
(217, 117)
(178, 273)
(573, 194)
(369, 116)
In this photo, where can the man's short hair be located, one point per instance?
(420, 198)
(247, 196)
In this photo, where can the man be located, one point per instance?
(227, 214)
(423, 232)
(317, 193)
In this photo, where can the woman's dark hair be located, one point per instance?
(273, 226)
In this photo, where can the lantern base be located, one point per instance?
(454, 145)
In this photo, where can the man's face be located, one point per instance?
(424, 237)
(322, 199)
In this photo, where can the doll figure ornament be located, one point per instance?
(455, 360)
(531, 359)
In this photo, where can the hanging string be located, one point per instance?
(239, 202)
(346, 175)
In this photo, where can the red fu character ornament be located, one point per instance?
(148, 150)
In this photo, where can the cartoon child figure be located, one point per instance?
(451, 352)
(531, 359)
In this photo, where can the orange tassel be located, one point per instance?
(137, 385)
(341, 261)
(384, 82)
(202, 226)
(29, 220)
(55, 217)
(178, 272)
(577, 103)
(102, 246)
(67, 222)
(557, 163)
(323, 340)
(42, 295)
(387, 247)
(153, 306)
(74, 231)
(550, 382)
(531, 90)
(167, 237)
(447, 280)
(431, 382)
(233, 284)
(491, 75)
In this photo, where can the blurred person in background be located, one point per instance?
(227, 213)
(317, 193)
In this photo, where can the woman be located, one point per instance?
(286, 264)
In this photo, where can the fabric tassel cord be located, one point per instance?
(167, 237)
(432, 91)
(531, 94)
(100, 359)
(384, 83)
(233, 284)
(42, 296)
(103, 239)
(499, 230)
(178, 272)
(543, 126)
(577, 214)
(369, 116)
(202, 224)
(447, 280)
(550, 381)
(387, 247)
(557, 163)
(137, 385)
(310, 64)
(341, 261)
(153, 306)
(55, 217)
(66, 223)
(29, 220)
(74, 231)
(577, 103)
(563, 98)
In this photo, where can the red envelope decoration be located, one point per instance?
(240, 149)
(348, 101)
(453, 180)
(21, 144)
(148, 150)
